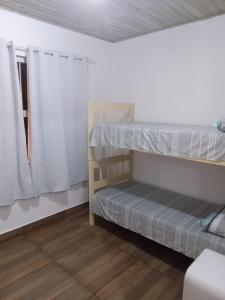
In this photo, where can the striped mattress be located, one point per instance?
(166, 217)
(194, 142)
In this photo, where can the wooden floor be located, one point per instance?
(68, 259)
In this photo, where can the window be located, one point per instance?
(22, 71)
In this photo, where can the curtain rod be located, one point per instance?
(23, 49)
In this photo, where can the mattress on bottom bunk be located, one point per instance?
(166, 217)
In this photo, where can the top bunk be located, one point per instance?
(204, 144)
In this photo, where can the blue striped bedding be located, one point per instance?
(194, 142)
(166, 217)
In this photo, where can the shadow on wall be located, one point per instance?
(60, 200)
(186, 177)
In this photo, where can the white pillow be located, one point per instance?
(217, 226)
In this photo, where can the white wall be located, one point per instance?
(24, 31)
(176, 75)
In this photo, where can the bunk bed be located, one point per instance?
(169, 218)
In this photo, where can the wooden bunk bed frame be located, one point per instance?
(100, 171)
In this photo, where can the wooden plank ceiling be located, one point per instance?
(117, 20)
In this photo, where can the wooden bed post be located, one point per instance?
(94, 107)
(91, 184)
(90, 164)
(132, 119)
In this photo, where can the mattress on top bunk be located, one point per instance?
(195, 142)
(166, 217)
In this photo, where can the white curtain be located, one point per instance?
(58, 93)
(15, 177)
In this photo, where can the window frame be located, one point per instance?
(21, 58)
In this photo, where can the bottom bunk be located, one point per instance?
(166, 217)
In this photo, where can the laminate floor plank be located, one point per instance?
(145, 284)
(65, 258)
(93, 297)
(131, 284)
(82, 258)
(97, 265)
(22, 266)
(66, 242)
(76, 291)
(97, 275)
(14, 248)
(39, 284)
(49, 232)
(80, 217)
